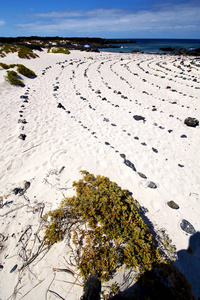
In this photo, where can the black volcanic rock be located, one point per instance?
(191, 122)
(166, 49)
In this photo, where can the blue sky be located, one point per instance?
(101, 18)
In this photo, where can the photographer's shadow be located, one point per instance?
(175, 281)
(189, 263)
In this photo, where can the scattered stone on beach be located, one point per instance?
(154, 150)
(144, 144)
(22, 137)
(106, 120)
(183, 136)
(61, 106)
(27, 185)
(1, 267)
(20, 190)
(172, 204)
(23, 97)
(151, 185)
(191, 122)
(142, 175)
(181, 166)
(17, 191)
(129, 164)
(123, 156)
(13, 269)
(139, 118)
(98, 92)
(187, 227)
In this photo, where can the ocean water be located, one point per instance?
(153, 45)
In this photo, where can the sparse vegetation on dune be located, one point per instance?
(25, 71)
(116, 233)
(4, 66)
(23, 51)
(58, 50)
(12, 78)
(107, 231)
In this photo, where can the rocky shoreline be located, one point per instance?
(37, 43)
(182, 51)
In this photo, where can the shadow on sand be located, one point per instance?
(165, 281)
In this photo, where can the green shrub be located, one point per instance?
(115, 233)
(7, 48)
(4, 66)
(12, 78)
(58, 50)
(25, 52)
(25, 71)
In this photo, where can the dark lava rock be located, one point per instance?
(17, 191)
(187, 227)
(142, 175)
(107, 144)
(191, 122)
(61, 106)
(166, 49)
(181, 166)
(21, 191)
(1, 267)
(22, 137)
(129, 164)
(123, 156)
(183, 136)
(24, 97)
(152, 185)
(27, 185)
(155, 150)
(139, 118)
(13, 269)
(172, 204)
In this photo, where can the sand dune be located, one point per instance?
(84, 113)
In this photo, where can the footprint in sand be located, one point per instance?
(58, 159)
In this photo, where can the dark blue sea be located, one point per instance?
(153, 45)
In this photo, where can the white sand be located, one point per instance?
(76, 141)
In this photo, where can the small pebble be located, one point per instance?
(152, 185)
(142, 175)
(187, 227)
(22, 136)
(129, 164)
(181, 166)
(13, 269)
(155, 150)
(172, 204)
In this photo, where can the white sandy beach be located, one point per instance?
(92, 126)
